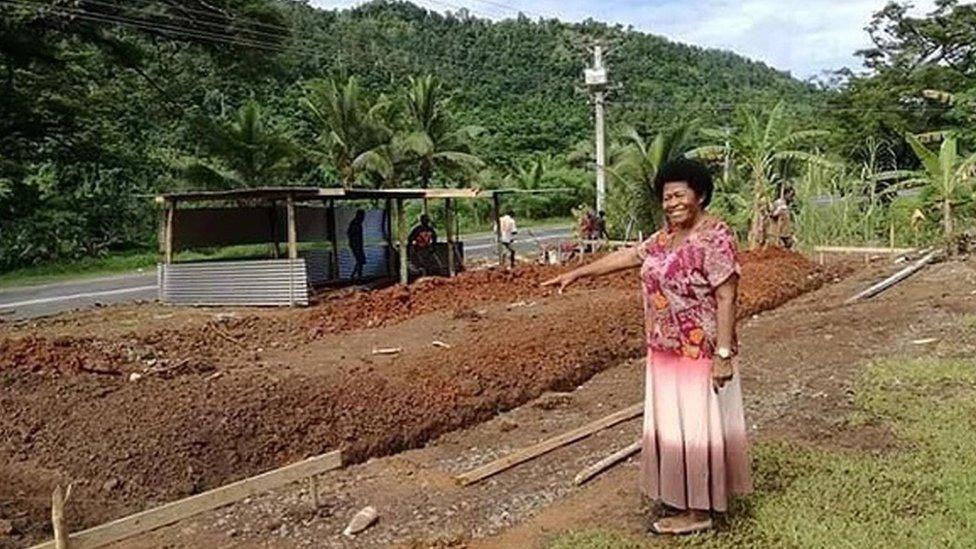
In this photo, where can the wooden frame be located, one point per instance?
(176, 511)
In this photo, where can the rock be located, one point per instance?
(110, 484)
(6, 527)
(551, 401)
(232, 533)
(507, 425)
(135, 376)
(361, 521)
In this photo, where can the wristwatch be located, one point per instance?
(724, 353)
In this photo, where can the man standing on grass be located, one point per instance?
(506, 236)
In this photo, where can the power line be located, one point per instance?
(173, 17)
(142, 24)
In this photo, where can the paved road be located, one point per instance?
(35, 301)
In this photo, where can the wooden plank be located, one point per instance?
(895, 278)
(549, 445)
(857, 250)
(58, 501)
(176, 511)
(606, 463)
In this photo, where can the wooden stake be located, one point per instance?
(606, 463)
(313, 488)
(59, 499)
(526, 454)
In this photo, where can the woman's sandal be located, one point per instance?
(682, 530)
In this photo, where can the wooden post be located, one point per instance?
(59, 499)
(273, 219)
(168, 231)
(402, 239)
(292, 230)
(449, 206)
(497, 214)
(334, 241)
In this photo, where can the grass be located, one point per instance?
(132, 260)
(921, 495)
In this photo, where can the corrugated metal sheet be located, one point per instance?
(259, 282)
(318, 265)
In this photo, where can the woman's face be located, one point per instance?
(682, 205)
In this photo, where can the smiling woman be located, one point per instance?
(694, 452)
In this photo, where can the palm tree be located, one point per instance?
(764, 148)
(944, 176)
(351, 130)
(633, 166)
(432, 143)
(246, 151)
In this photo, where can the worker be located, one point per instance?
(423, 235)
(780, 230)
(506, 231)
(422, 239)
(354, 234)
(694, 454)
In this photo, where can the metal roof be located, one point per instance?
(339, 193)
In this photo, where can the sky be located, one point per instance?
(804, 37)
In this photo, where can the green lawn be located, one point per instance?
(921, 495)
(130, 261)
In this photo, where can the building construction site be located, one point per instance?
(136, 406)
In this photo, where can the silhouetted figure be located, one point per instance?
(355, 235)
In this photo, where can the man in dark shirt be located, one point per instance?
(423, 235)
(355, 236)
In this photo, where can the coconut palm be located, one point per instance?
(351, 129)
(245, 152)
(432, 143)
(634, 163)
(764, 147)
(945, 177)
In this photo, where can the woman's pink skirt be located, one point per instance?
(694, 444)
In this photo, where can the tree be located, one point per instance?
(945, 177)
(763, 148)
(350, 130)
(247, 152)
(633, 166)
(436, 147)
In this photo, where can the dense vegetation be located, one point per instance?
(106, 102)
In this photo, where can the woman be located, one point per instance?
(694, 442)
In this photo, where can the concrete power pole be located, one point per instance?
(596, 82)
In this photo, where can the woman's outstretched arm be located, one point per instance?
(626, 258)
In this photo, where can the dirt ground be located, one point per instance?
(799, 362)
(225, 394)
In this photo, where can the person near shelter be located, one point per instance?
(421, 240)
(506, 236)
(423, 235)
(354, 235)
(694, 449)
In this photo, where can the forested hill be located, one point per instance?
(104, 101)
(521, 79)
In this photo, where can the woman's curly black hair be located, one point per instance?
(694, 173)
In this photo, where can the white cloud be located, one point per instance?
(805, 37)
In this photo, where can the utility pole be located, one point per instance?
(596, 82)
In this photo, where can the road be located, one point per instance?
(47, 299)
